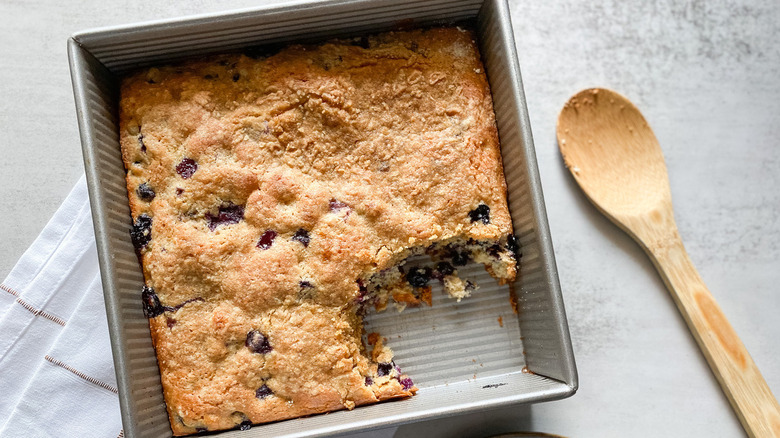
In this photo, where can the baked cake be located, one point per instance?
(276, 198)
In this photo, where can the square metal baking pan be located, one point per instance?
(473, 355)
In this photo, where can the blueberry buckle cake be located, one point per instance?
(275, 198)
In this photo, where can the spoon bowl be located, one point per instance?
(612, 153)
(622, 164)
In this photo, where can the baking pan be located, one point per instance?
(473, 355)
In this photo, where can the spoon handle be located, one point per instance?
(738, 375)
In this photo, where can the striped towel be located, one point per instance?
(56, 371)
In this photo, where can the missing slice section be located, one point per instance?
(407, 283)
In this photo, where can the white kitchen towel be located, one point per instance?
(56, 371)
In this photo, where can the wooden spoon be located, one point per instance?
(615, 158)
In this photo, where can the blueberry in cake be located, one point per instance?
(275, 198)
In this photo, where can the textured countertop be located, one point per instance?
(706, 76)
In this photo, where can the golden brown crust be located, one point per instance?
(371, 151)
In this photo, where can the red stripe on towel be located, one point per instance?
(9, 290)
(89, 379)
(39, 312)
